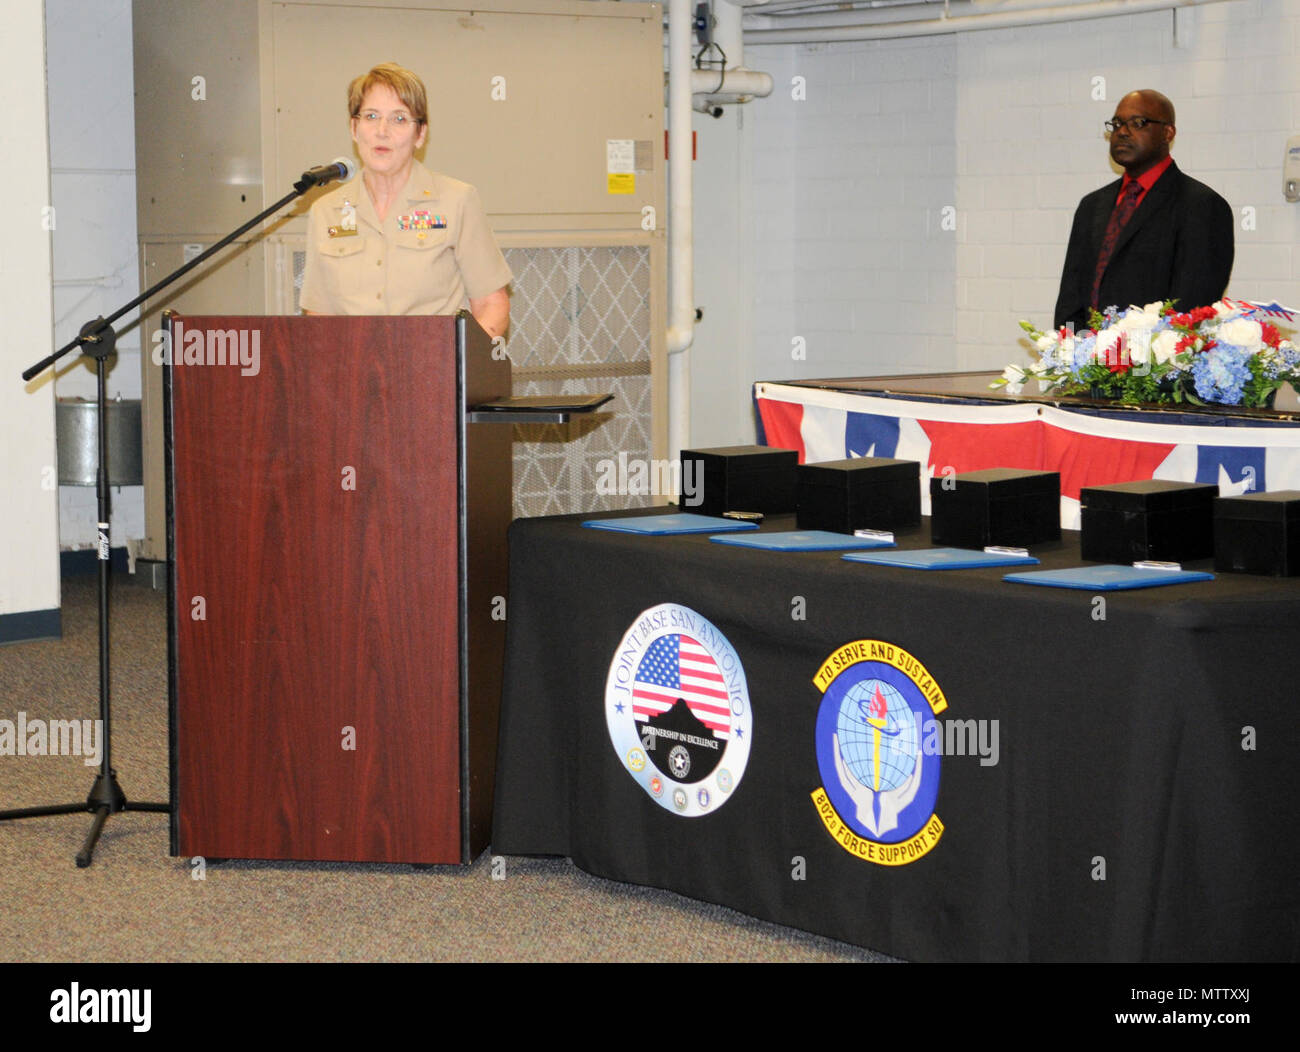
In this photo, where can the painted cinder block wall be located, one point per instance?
(910, 200)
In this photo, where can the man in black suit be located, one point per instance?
(1155, 234)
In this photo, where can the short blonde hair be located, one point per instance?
(403, 83)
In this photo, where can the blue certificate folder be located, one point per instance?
(801, 541)
(679, 522)
(1108, 578)
(941, 559)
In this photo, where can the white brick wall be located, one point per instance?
(29, 566)
(96, 269)
(1003, 125)
(870, 156)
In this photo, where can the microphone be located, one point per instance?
(340, 168)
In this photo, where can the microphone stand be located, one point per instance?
(98, 340)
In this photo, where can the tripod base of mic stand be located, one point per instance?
(106, 798)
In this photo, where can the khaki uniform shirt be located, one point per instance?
(433, 251)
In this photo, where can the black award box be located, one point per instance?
(1152, 519)
(1005, 506)
(739, 478)
(876, 493)
(1258, 533)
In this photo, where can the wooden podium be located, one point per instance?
(336, 591)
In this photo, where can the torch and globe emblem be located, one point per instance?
(874, 739)
(877, 735)
(871, 751)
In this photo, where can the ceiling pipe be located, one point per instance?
(907, 11)
(940, 26)
(791, 7)
(734, 83)
(730, 82)
(681, 281)
(713, 87)
(702, 89)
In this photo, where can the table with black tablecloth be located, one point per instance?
(1144, 800)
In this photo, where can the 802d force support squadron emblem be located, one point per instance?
(880, 784)
(678, 712)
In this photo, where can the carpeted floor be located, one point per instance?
(136, 903)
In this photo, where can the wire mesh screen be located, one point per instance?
(299, 267)
(580, 324)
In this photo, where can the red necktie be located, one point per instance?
(1123, 212)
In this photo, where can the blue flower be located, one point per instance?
(1220, 373)
(1083, 349)
(1280, 363)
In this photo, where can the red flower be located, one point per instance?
(1117, 357)
(1271, 336)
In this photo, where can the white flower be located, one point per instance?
(1064, 356)
(1136, 318)
(1222, 309)
(1107, 343)
(1015, 379)
(1045, 342)
(1139, 325)
(1139, 347)
(1162, 347)
(1242, 332)
(1141, 317)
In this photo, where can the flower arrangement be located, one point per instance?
(1229, 354)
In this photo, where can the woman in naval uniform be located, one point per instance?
(398, 238)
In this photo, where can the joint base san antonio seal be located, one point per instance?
(879, 784)
(678, 712)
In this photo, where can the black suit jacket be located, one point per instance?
(1177, 245)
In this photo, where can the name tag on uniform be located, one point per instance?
(341, 231)
(421, 220)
